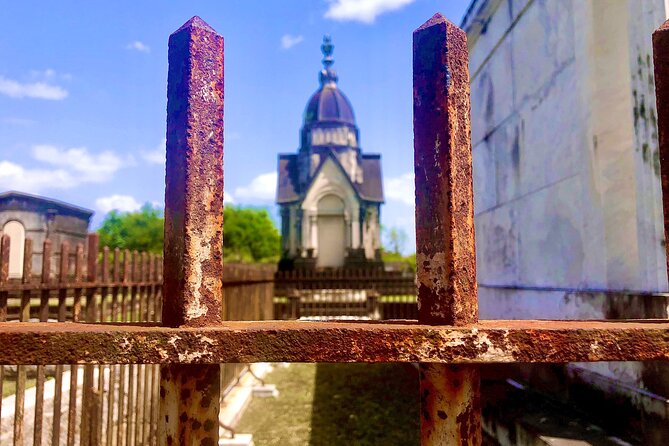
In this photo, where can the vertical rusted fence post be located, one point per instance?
(90, 399)
(661, 66)
(445, 255)
(193, 262)
(43, 317)
(24, 316)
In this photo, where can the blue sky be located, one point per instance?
(83, 92)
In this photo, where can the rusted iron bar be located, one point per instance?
(300, 341)
(90, 397)
(193, 255)
(661, 67)
(62, 315)
(54, 286)
(4, 276)
(194, 177)
(74, 373)
(445, 254)
(24, 316)
(43, 317)
(113, 419)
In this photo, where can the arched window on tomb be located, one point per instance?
(17, 237)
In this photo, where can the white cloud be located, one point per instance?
(401, 188)
(65, 169)
(261, 188)
(288, 41)
(121, 203)
(232, 136)
(94, 168)
(36, 90)
(138, 46)
(364, 11)
(49, 74)
(16, 177)
(228, 198)
(156, 156)
(22, 122)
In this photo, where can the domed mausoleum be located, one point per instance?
(329, 192)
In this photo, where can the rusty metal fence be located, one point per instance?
(63, 404)
(341, 294)
(447, 339)
(114, 404)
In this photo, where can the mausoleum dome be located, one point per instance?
(328, 104)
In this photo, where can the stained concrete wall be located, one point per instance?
(567, 192)
(566, 167)
(565, 146)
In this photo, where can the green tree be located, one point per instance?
(141, 230)
(394, 240)
(397, 238)
(249, 235)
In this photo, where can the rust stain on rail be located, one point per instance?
(450, 404)
(295, 341)
(190, 393)
(194, 177)
(445, 254)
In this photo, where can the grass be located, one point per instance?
(337, 404)
(9, 385)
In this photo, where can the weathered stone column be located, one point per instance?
(445, 255)
(193, 258)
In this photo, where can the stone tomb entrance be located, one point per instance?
(331, 232)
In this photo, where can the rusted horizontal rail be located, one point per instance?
(13, 287)
(300, 341)
(9, 287)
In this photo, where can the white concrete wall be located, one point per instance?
(566, 185)
(566, 188)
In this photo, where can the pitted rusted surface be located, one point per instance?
(189, 396)
(450, 404)
(194, 177)
(193, 260)
(297, 341)
(4, 258)
(661, 64)
(445, 255)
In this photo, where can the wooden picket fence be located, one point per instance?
(101, 404)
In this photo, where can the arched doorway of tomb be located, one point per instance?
(17, 237)
(331, 232)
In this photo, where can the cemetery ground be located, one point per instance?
(336, 404)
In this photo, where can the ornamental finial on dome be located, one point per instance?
(327, 75)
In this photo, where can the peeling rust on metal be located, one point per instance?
(194, 177)
(193, 254)
(190, 400)
(452, 392)
(445, 255)
(299, 341)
